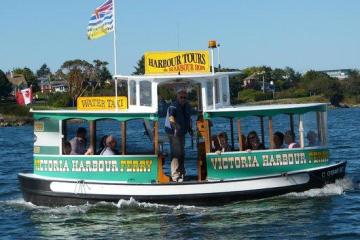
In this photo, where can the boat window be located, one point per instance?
(209, 93)
(322, 127)
(76, 137)
(217, 90)
(145, 93)
(139, 137)
(224, 86)
(132, 92)
(105, 128)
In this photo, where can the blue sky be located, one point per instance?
(306, 34)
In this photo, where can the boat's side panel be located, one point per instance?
(129, 169)
(47, 137)
(52, 192)
(230, 165)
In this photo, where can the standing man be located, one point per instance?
(177, 124)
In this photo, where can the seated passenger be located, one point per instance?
(102, 144)
(253, 142)
(78, 142)
(290, 139)
(223, 142)
(278, 139)
(66, 148)
(311, 137)
(220, 143)
(215, 145)
(110, 146)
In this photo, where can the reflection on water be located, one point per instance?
(330, 212)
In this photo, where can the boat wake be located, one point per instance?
(123, 204)
(337, 188)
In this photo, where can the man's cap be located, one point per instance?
(180, 90)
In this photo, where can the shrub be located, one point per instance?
(251, 95)
(59, 100)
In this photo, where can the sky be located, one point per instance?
(304, 35)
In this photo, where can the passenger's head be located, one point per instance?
(253, 140)
(289, 137)
(311, 137)
(278, 139)
(181, 96)
(67, 148)
(223, 140)
(111, 142)
(103, 141)
(81, 133)
(215, 145)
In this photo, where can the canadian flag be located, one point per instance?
(24, 97)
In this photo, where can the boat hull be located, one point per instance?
(59, 192)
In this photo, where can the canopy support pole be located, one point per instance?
(156, 138)
(241, 144)
(262, 130)
(123, 138)
(272, 144)
(92, 127)
(232, 133)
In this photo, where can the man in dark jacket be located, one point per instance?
(177, 124)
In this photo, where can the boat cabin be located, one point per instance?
(132, 164)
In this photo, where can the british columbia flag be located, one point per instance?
(101, 21)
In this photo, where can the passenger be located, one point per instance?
(223, 142)
(110, 146)
(67, 148)
(177, 124)
(78, 143)
(278, 139)
(102, 144)
(290, 139)
(214, 143)
(311, 137)
(253, 142)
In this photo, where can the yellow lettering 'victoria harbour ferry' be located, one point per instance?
(236, 174)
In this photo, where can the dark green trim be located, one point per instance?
(95, 116)
(265, 112)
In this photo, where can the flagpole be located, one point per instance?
(115, 60)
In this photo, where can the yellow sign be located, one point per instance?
(100, 103)
(177, 62)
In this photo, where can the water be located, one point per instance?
(332, 212)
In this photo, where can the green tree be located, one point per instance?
(5, 85)
(29, 76)
(77, 74)
(140, 67)
(320, 83)
(101, 72)
(44, 71)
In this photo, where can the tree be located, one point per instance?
(140, 67)
(29, 76)
(77, 74)
(320, 83)
(44, 71)
(101, 73)
(5, 85)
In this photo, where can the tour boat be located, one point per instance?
(237, 174)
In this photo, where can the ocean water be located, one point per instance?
(332, 212)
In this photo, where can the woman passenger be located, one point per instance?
(253, 142)
(278, 140)
(290, 139)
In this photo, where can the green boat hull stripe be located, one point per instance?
(233, 165)
(129, 169)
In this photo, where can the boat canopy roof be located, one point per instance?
(94, 115)
(265, 110)
(170, 78)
